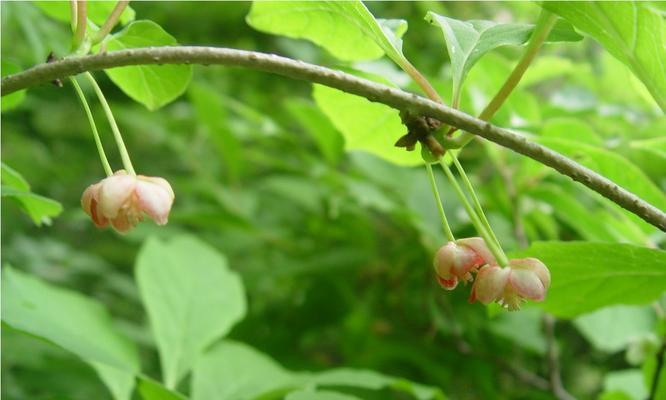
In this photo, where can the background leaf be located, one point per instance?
(192, 299)
(150, 85)
(14, 99)
(631, 32)
(39, 208)
(73, 322)
(587, 276)
(611, 329)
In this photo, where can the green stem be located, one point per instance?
(442, 215)
(421, 81)
(475, 199)
(541, 31)
(98, 142)
(72, 14)
(110, 22)
(480, 228)
(124, 155)
(81, 22)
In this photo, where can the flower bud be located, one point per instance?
(456, 260)
(122, 199)
(525, 278)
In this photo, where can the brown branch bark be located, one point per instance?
(348, 83)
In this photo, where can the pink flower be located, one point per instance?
(525, 278)
(456, 260)
(122, 199)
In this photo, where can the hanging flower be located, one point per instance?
(522, 279)
(456, 260)
(122, 199)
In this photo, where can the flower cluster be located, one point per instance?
(122, 199)
(520, 280)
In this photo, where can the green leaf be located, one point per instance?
(39, 208)
(611, 329)
(150, 85)
(318, 395)
(11, 100)
(345, 28)
(73, 322)
(328, 139)
(523, 328)
(192, 299)
(97, 11)
(152, 390)
(367, 126)
(614, 167)
(468, 41)
(232, 370)
(631, 32)
(587, 276)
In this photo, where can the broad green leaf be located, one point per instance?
(468, 41)
(150, 85)
(328, 139)
(611, 329)
(367, 126)
(97, 11)
(345, 28)
(614, 167)
(587, 276)
(73, 322)
(152, 390)
(318, 395)
(11, 100)
(631, 32)
(192, 299)
(572, 129)
(39, 208)
(232, 370)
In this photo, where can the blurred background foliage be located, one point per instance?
(334, 248)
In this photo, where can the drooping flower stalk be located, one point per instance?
(124, 155)
(438, 200)
(93, 127)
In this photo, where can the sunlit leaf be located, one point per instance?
(631, 32)
(345, 28)
(39, 208)
(612, 328)
(97, 11)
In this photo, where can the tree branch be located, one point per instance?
(348, 83)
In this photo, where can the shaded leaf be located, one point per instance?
(73, 322)
(39, 208)
(192, 299)
(611, 329)
(11, 100)
(150, 85)
(587, 276)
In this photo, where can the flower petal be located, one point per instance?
(114, 192)
(479, 246)
(155, 198)
(527, 284)
(444, 259)
(535, 265)
(448, 284)
(490, 283)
